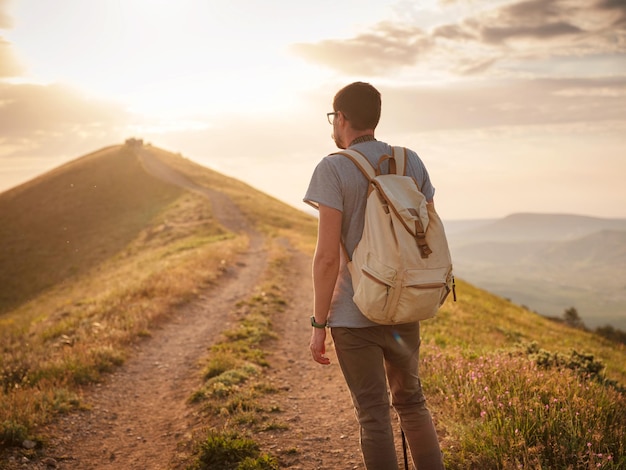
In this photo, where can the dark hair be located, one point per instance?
(360, 103)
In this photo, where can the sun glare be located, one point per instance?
(159, 59)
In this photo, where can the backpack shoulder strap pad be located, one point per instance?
(397, 162)
(360, 161)
(399, 155)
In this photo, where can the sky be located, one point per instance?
(513, 105)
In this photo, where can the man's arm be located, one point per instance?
(325, 270)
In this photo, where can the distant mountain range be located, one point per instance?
(547, 262)
(527, 227)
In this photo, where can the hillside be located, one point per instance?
(69, 220)
(197, 328)
(549, 263)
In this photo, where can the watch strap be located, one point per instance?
(314, 324)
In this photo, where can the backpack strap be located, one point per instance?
(361, 162)
(399, 155)
(397, 163)
(368, 170)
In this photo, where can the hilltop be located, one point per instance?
(190, 320)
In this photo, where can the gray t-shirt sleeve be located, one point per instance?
(324, 187)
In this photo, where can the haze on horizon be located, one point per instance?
(514, 105)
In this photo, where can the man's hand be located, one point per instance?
(318, 346)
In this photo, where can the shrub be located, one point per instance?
(231, 451)
(12, 433)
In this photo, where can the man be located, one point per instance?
(369, 354)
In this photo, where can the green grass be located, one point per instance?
(480, 322)
(504, 410)
(240, 356)
(512, 390)
(231, 451)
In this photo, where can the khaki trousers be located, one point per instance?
(370, 358)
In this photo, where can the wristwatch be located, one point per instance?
(314, 324)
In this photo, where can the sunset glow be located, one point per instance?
(521, 104)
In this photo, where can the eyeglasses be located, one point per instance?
(331, 116)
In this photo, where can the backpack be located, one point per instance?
(401, 268)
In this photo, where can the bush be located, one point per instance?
(12, 433)
(231, 451)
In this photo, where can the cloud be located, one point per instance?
(387, 46)
(496, 35)
(616, 7)
(490, 104)
(5, 20)
(9, 66)
(519, 31)
(540, 20)
(530, 19)
(38, 119)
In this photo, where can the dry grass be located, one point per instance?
(269, 215)
(158, 250)
(72, 219)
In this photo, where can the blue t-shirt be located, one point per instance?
(339, 184)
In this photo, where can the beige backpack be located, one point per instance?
(401, 268)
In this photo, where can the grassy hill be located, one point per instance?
(71, 219)
(138, 247)
(95, 254)
(68, 221)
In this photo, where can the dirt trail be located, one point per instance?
(138, 415)
(316, 405)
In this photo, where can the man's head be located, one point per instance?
(360, 104)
